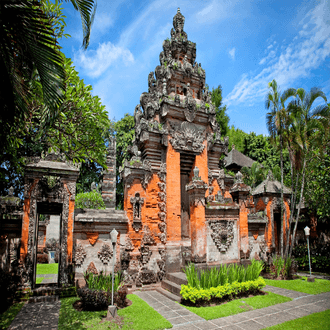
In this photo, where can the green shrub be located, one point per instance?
(102, 281)
(97, 293)
(200, 295)
(89, 200)
(214, 277)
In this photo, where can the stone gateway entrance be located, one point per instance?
(50, 187)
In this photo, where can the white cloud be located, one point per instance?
(232, 53)
(96, 62)
(295, 61)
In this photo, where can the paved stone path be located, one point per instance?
(44, 315)
(302, 304)
(48, 278)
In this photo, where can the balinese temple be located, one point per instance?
(180, 204)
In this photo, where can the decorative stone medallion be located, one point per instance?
(80, 255)
(222, 234)
(105, 254)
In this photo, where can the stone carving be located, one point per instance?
(187, 137)
(147, 276)
(196, 174)
(222, 234)
(151, 82)
(92, 269)
(79, 255)
(162, 226)
(162, 216)
(162, 196)
(150, 104)
(145, 255)
(129, 245)
(137, 203)
(162, 206)
(162, 176)
(147, 238)
(161, 264)
(178, 24)
(105, 254)
(162, 237)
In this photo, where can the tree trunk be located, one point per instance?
(299, 206)
(282, 200)
(293, 203)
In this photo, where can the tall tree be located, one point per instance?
(220, 110)
(29, 51)
(310, 125)
(275, 102)
(125, 130)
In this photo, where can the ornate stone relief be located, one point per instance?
(162, 176)
(222, 234)
(92, 269)
(129, 245)
(162, 216)
(137, 203)
(105, 254)
(162, 196)
(145, 254)
(187, 136)
(79, 255)
(147, 238)
(161, 264)
(162, 226)
(162, 206)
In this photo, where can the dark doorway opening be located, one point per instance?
(47, 244)
(277, 232)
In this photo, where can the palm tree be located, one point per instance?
(275, 120)
(308, 124)
(254, 175)
(28, 48)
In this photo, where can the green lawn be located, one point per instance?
(8, 316)
(316, 321)
(47, 269)
(301, 285)
(138, 316)
(39, 280)
(238, 306)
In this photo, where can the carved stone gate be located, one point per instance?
(49, 188)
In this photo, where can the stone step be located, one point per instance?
(177, 278)
(43, 299)
(169, 294)
(171, 286)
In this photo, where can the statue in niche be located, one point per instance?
(137, 203)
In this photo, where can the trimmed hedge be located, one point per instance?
(198, 296)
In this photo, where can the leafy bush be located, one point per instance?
(93, 300)
(283, 268)
(96, 295)
(320, 256)
(102, 281)
(214, 277)
(8, 285)
(89, 200)
(201, 295)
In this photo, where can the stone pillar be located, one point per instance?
(196, 190)
(109, 177)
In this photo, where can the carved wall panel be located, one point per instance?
(222, 234)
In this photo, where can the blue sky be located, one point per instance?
(242, 45)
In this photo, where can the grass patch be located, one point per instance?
(47, 269)
(138, 316)
(39, 280)
(301, 285)
(314, 321)
(238, 306)
(8, 316)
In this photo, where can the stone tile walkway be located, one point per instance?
(42, 316)
(302, 304)
(48, 278)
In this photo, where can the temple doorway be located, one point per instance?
(186, 164)
(47, 244)
(277, 231)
